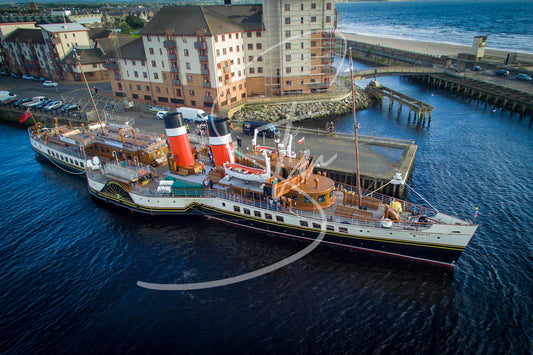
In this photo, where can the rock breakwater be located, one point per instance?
(302, 110)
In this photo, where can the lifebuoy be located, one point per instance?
(202, 145)
(142, 172)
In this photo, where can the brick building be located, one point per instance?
(198, 56)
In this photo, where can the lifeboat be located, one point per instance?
(245, 172)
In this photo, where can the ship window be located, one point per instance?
(71, 162)
(246, 211)
(48, 151)
(257, 213)
(331, 193)
(330, 228)
(75, 162)
(294, 197)
(236, 208)
(317, 225)
(279, 218)
(321, 198)
(81, 163)
(307, 199)
(343, 229)
(268, 216)
(304, 223)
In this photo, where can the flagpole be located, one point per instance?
(358, 175)
(31, 114)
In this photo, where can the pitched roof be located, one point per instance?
(87, 56)
(107, 45)
(248, 16)
(29, 35)
(185, 20)
(99, 33)
(133, 50)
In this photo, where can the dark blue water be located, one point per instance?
(69, 265)
(507, 23)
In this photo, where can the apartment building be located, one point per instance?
(46, 51)
(214, 56)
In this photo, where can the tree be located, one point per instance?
(125, 28)
(135, 22)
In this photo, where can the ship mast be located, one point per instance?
(358, 175)
(78, 60)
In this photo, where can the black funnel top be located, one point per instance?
(218, 126)
(173, 120)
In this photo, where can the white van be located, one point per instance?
(6, 95)
(34, 101)
(161, 114)
(193, 114)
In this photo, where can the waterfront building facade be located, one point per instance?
(216, 56)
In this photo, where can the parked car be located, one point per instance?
(21, 101)
(11, 100)
(43, 79)
(161, 114)
(26, 77)
(502, 72)
(49, 83)
(43, 104)
(15, 75)
(54, 105)
(64, 108)
(72, 107)
(34, 78)
(477, 68)
(35, 101)
(523, 76)
(4, 73)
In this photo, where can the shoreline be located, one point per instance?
(429, 48)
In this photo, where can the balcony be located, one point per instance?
(204, 71)
(174, 69)
(172, 57)
(208, 99)
(203, 58)
(206, 85)
(200, 45)
(169, 44)
(176, 82)
(111, 65)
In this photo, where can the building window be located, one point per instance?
(250, 58)
(224, 51)
(301, 20)
(287, 20)
(288, 58)
(288, 70)
(259, 70)
(151, 50)
(158, 89)
(133, 62)
(189, 78)
(260, 58)
(187, 65)
(216, 39)
(249, 34)
(328, 19)
(302, 6)
(148, 38)
(136, 74)
(288, 83)
(236, 36)
(153, 63)
(258, 34)
(313, 43)
(252, 70)
(230, 49)
(160, 50)
(288, 45)
(223, 38)
(302, 45)
(328, 6)
(229, 36)
(156, 76)
(178, 92)
(287, 34)
(147, 87)
(287, 7)
(313, 5)
(191, 92)
(186, 52)
(145, 75)
(313, 18)
(250, 46)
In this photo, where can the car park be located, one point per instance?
(54, 105)
(502, 72)
(523, 76)
(49, 83)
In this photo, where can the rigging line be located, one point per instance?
(422, 198)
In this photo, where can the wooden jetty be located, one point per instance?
(420, 109)
(498, 96)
